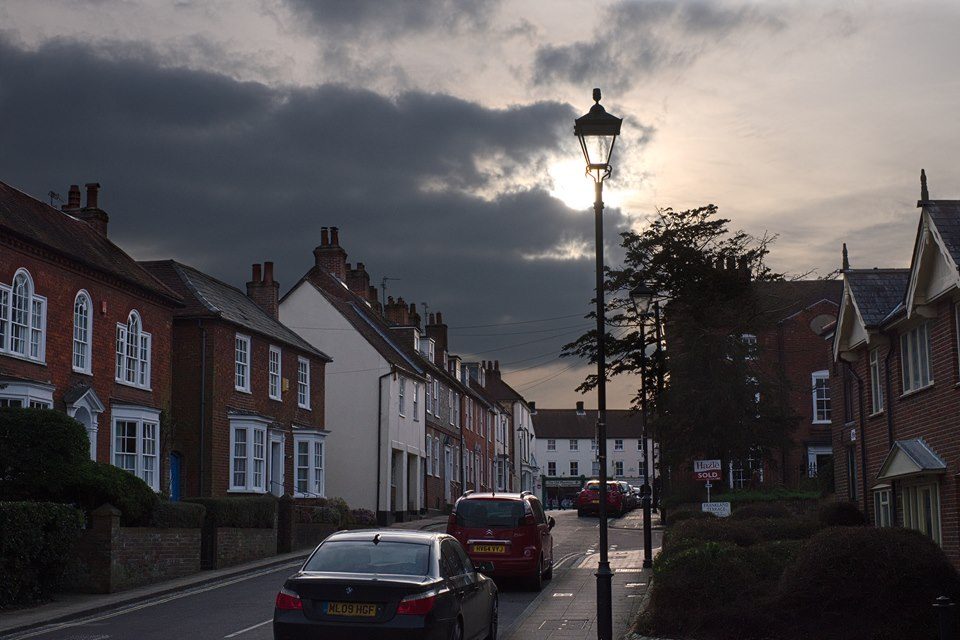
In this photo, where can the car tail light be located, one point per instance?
(289, 601)
(418, 604)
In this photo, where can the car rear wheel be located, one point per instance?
(548, 574)
(457, 633)
(536, 580)
(494, 621)
(580, 513)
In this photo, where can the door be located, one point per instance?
(175, 460)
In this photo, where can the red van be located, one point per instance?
(588, 500)
(509, 531)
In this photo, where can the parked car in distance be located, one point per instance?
(509, 531)
(588, 500)
(387, 584)
(630, 501)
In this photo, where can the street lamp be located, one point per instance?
(597, 132)
(642, 297)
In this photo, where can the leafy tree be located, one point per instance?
(703, 276)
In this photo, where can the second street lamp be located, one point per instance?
(642, 297)
(597, 132)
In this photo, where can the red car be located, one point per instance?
(588, 500)
(509, 531)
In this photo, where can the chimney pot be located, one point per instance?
(580, 407)
(432, 319)
(496, 365)
(439, 318)
(335, 236)
(324, 237)
(268, 272)
(256, 273)
(93, 191)
(360, 267)
(73, 198)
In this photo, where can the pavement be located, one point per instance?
(567, 607)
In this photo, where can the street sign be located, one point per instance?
(719, 509)
(707, 470)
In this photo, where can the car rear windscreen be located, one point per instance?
(595, 486)
(489, 514)
(363, 556)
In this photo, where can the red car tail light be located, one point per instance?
(418, 604)
(288, 601)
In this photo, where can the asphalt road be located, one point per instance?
(242, 607)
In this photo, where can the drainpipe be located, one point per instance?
(891, 435)
(203, 397)
(863, 441)
(380, 435)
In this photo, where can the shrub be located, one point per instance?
(841, 514)
(866, 583)
(318, 515)
(363, 517)
(689, 514)
(37, 541)
(99, 483)
(692, 532)
(713, 588)
(177, 515)
(792, 528)
(342, 508)
(42, 452)
(761, 510)
(257, 512)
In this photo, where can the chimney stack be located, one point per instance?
(580, 410)
(438, 331)
(264, 290)
(329, 256)
(91, 213)
(413, 315)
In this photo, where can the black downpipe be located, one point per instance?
(863, 440)
(203, 398)
(380, 437)
(891, 431)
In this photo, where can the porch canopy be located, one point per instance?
(908, 459)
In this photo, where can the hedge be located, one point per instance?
(866, 583)
(257, 512)
(761, 510)
(689, 514)
(363, 517)
(37, 541)
(100, 482)
(42, 453)
(841, 514)
(177, 515)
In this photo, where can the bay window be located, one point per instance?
(248, 453)
(309, 464)
(920, 506)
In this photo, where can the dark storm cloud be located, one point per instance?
(636, 39)
(220, 173)
(391, 18)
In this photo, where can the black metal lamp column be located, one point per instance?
(642, 297)
(598, 131)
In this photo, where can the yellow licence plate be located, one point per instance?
(596, 502)
(353, 609)
(489, 548)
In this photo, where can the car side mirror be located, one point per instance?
(483, 567)
(551, 522)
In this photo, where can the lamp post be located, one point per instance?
(597, 132)
(642, 297)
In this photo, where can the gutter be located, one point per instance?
(380, 435)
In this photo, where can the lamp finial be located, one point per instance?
(924, 194)
(846, 258)
(596, 95)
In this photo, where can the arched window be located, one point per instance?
(133, 352)
(82, 332)
(23, 316)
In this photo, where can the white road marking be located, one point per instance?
(151, 603)
(250, 628)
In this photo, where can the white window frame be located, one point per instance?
(618, 468)
(242, 362)
(427, 395)
(33, 328)
(911, 498)
(551, 444)
(450, 404)
(303, 383)
(574, 468)
(883, 507)
(815, 378)
(618, 444)
(876, 383)
(915, 358)
(551, 468)
(254, 430)
(275, 374)
(316, 464)
(436, 397)
(146, 458)
(401, 400)
(82, 333)
(134, 349)
(416, 402)
(27, 394)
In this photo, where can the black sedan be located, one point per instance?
(387, 584)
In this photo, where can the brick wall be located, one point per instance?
(59, 281)
(234, 546)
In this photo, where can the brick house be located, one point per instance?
(895, 348)
(248, 393)
(523, 469)
(85, 330)
(375, 385)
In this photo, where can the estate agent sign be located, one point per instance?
(707, 470)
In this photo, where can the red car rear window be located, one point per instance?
(488, 514)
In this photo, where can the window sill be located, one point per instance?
(276, 399)
(876, 414)
(132, 386)
(821, 422)
(914, 392)
(18, 356)
(244, 490)
(83, 372)
(304, 407)
(241, 390)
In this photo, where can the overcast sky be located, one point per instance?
(438, 136)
